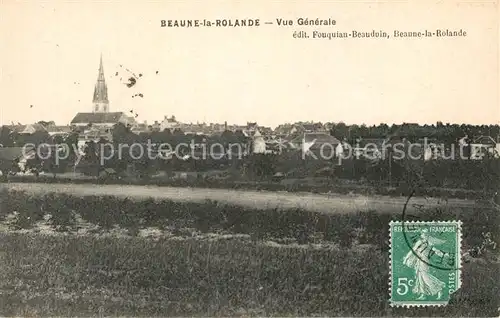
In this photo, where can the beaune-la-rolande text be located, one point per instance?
(210, 23)
(245, 22)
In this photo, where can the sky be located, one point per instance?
(50, 57)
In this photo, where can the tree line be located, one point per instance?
(440, 173)
(446, 133)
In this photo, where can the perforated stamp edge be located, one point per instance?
(458, 223)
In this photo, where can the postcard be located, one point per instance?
(249, 158)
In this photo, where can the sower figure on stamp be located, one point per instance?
(425, 283)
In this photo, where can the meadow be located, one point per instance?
(252, 199)
(312, 185)
(72, 255)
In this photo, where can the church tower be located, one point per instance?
(100, 101)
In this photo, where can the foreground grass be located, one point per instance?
(67, 276)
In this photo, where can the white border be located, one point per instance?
(458, 271)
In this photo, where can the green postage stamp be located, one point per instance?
(425, 262)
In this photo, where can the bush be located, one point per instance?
(21, 222)
(62, 216)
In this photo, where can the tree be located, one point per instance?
(262, 165)
(36, 138)
(91, 158)
(162, 137)
(178, 132)
(227, 137)
(58, 139)
(363, 131)
(46, 123)
(6, 137)
(339, 130)
(240, 136)
(122, 134)
(71, 142)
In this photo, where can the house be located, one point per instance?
(251, 128)
(328, 126)
(215, 128)
(498, 145)
(139, 128)
(319, 143)
(481, 146)
(258, 143)
(266, 131)
(27, 129)
(155, 126)
(33, 128)
(169, 123)
(309, 127)
(95, 133)
(196, 129)
(104, 120)
(59, 130)
(234, 128)
(285, 129)
(94, 126)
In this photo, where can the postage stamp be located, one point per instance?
(425, 262)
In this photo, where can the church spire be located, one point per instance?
(100, 100)
(101, 71)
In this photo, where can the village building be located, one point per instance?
(283, 129)
(481, 146)
(27, 129)
(99, 122)
(169, 123)
(215, 128)
(62, 131)
(309, 127)
(139, 128)
(258, 143)
(320, 143)
(300, 128)
(196, 129)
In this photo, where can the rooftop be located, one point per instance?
(97, 118)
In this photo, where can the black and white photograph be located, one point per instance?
(249, 158)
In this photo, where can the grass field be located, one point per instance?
(212, 260)
(332, 203)
(68, 276)
(294, 185)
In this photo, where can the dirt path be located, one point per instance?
(333, 203)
